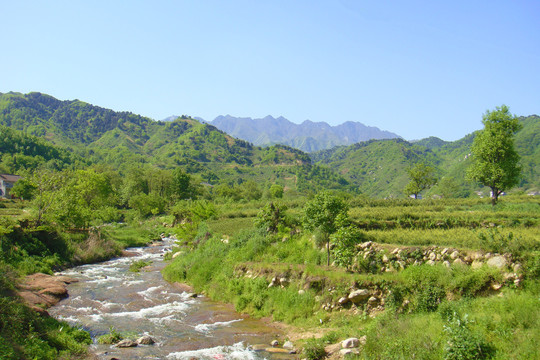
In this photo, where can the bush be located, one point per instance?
(112, 337)
(464, 343)
(136, 266)
(314, 349)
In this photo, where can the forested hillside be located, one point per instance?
(123, 140)
(378, 168)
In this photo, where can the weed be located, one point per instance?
(314, 349)
(464, 343)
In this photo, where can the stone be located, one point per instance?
(258, 347)
(288, 345)
(366, 245)
(459, 261)
(145, 340)
(274, 343)
(446, 263)
(444, 251)
(284, 281)
(385, 259)
(177, 254)
(359, 295)
(496, 286)
(432, 256)
(363, 340)
(301, 292)
(343, 300)
(430, 262)
(517, 267)
(497, 261)
(372, 300)
(348, 352)
(478, 256)
(275, 350)
(350, 343)
(454, 255)
(476, 264)
(126, 343)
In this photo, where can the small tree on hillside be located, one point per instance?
(323, 213)
(422, 178)
(495, 161)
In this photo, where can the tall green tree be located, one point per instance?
(495, 162)
(323, 213)
(422, 177)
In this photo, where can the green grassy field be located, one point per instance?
(444, 310)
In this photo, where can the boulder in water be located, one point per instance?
(145, 340)
(126, 343)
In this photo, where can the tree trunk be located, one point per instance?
(328, 253)
(494, 196)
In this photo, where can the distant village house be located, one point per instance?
(6, 183)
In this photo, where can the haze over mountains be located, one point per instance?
(308, 136)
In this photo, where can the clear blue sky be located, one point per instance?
(417, 68)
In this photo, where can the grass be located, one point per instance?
(431, 312)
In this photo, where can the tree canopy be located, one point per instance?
(323, 213)
(422, 178)
(495, 160)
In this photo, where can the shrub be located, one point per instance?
(112, 337)
(464, 343)
(314, 349)
(136, 266)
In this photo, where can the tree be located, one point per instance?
(270, 217)
(495, 162)
(276, 191)
(422, 178)
(323, 213)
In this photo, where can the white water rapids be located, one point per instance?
(109, 296)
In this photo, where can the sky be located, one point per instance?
(416, 68)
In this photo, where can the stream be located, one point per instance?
(109, 296)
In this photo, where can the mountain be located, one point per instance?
(125, 140)
(308, 136)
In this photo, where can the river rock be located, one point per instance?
(288, 345)
(350, 343)
(274, 343)
(259, 347)
(275, 350)
(145, 340)
(476, 264)
(454, 255)
(372, 300)
(343, 300)
(359, 295)
(126, 343)
(497, 261)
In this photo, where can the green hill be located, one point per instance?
(125, 140)
(378, 168)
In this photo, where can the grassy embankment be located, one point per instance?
(446, 310)
(26, 249)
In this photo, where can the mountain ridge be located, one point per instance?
(308, 136)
